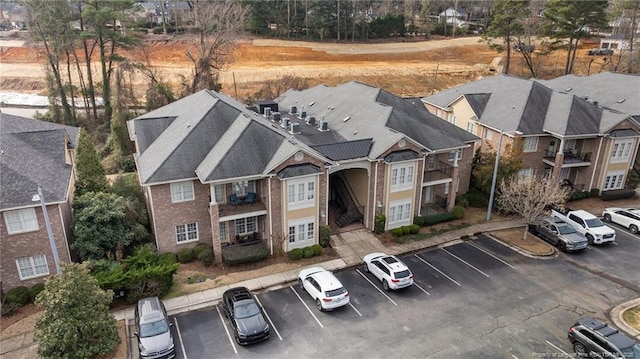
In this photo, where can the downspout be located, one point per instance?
(375, 194)
(595, 165)
(420, 187)
(64, 231)
(270, 218)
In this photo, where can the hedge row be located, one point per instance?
(18, 297)
(434, 219)
(618, 194)
(405, 230)
(201, 252)
(234, 255)
(306, 252)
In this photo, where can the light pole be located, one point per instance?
(54, 249)
(495, 175)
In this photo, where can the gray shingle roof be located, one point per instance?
(404, 155)
(299, 170)
(346, 150)
(30, 157)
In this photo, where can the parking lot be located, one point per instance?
(475, 299)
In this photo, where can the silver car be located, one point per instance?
(559, 233)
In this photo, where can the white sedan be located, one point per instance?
(324, 288)
(626, 217)
(389, 270)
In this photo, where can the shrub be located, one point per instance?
(10, 308)
(397, 232)
(234, 255)
(617, 194)
(18, 295)
(418, 221)
(307, 252)
(205, 255)
(462, 201)
(200, 248)
(325, 236)
(439, 218)
(458, 212)
(185, 255)
(379, 223)
(476, 199)
(296, 254)
(405, 230)
(414, 229)
(595, 192)
(35, 290)
(317, 249)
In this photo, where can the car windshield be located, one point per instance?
(566, 229)
(595, 222)
(153, 329)
(632, 352)
(403, 274)
(336, 292)
(246, 309)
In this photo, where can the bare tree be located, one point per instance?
(530, 198)
(216, 24)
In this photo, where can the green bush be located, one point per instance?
(34, 291)
(185, 255)
(205, 255)
(317, 249)
(201, 248)
(439, 218)
(10, 308)
(462, 201)
(418, 221)
(476, 199)
(325, 236)
(405, 230)
(379, 223)
(18, 295)
(458, 212)
(307, 252)
(595, 192)
(296, 254)
(397, 232)
(617, 194)
(234, 255)
(414, 229)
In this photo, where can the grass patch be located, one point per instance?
(632, 317)
(531, 244)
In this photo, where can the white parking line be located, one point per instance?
(233, 344)
(376, 287)
(465, 262)
(268, 318)
(438, 270)
(498, 258)
(558, 349)
(354, 308)
(514, 357)
(614, 243)
(422, 289)
(184, 354)
(306, 306)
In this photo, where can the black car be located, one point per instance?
(592, 338)
(559, 233)
(246, 316)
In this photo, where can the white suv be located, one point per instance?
(389, 270)
(324, 288)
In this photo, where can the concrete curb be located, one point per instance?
(553, 254)
(620, 323)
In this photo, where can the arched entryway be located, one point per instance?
(348, 194)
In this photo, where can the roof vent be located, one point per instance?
(323, 126)
(276, 117)
(267, 112)
(621, 100)
(294, 129)
(311, 120)
(311, 103)
(303, 112)
(294, 110)
(346, 119)
(285, 122)
(568, 89)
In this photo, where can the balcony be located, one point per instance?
(442, 170)
(228, 212)
(572, 158)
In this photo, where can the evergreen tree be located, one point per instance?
(506, 24)
(91, 176)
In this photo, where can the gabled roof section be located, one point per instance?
(18, 124)
(584, 118)
(478, 102)
(626, 132)
(535, 110)
(403, 155)
(299, 170)
(346, 150)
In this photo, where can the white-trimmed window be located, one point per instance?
(530, 144)
(241, 188)
(302, 231)
(31, 267)
(399, 212)
(453, 119)
(186, 233)
(488, 135)
(431, 162)
(301, 193)
(219, 190)
(21, 220)
(401, 176)
(621, 151)
(525, 175)
(613, 180)
(182, 192)
(224, 238)
(471, 127)
(246, 225)
(454, 154)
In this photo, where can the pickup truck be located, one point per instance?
(587, 224)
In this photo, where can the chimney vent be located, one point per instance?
(285, 122)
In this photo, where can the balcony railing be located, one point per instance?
(441, 170)
(570, 156)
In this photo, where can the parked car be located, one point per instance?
(153, 329)
(324, 288)
(246, 316)
(559, 233)
(594, 339)
(389, 270)
(626, 217)
(605, 52)
(586, 223)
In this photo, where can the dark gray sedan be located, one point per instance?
(559, 233)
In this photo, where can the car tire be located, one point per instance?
(319, 305)
(532, 230)
(580, 349)
(607, 217)
(589, 238)
(562, 246)
(385, 285)
(365, 267)
(300, 283)
(633, 228)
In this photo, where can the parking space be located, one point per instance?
(473, 299)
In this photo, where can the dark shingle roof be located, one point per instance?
(404, 155)
(346, 150)
(624, 133)
(299, 170)
(478, 102)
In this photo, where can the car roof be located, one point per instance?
(394, 263)
(612, 334)
(327, 280)
(583, 214)
(238, 293)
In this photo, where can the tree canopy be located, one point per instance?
(91, 174)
